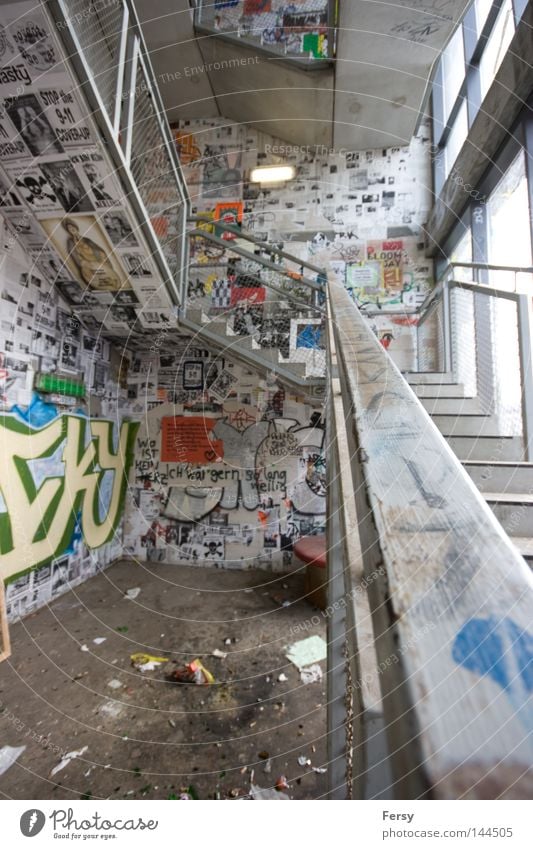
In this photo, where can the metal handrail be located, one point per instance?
(265, 246)
(487, 266)
(436, 292)
(440, 573)
(133, 52)
(301, 298)
(271, 266)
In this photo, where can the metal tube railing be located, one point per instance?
(109, 57)
(443, 582)
(246, 300)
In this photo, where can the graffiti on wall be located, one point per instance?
(66, 477)
(236, 483)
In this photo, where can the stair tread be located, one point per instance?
(524, 545)
(509, 497)
(477, 415)
(504, 464)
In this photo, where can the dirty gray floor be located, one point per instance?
(146, 737)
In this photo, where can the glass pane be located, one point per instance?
(453, 70)
(462, 252)
(483, 8)
(457, 136)
(509, 222)
(496, 46)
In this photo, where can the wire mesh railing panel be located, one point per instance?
(463, 339)
(99, 35)
(300, 29)
(430, 339)
(154, 174)
(506, 364)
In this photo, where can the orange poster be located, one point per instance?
(190, 439)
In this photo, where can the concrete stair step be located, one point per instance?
(446, 390)
(505, 448)
(515, 516)
(524, 546)
(468, 425)
(494, 476)
(522, 498)
(452, 406)
(428, 377)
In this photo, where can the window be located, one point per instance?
(483, 8)
(464, 75)
(458, 134)
(496, 46)
(509, 231)
(453, 71)
(462, 252)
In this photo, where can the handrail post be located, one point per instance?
(447, 328)
(525, 341)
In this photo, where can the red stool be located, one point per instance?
(312, 551)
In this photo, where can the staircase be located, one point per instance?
(266, 308)
(258, 303)
(430, 598)
(488, 430)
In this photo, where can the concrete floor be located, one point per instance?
(149, 738)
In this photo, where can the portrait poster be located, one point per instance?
(32, 125)
(67, 186)
(86, 251)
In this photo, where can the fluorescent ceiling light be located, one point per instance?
(273, 174)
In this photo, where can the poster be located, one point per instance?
(64, 116)
(231, 215)
(33, 187)
(119, 229)
(224, 384)
(32, 125)
(189, 439)
(67, 186)
(193, 374)
(86, 251)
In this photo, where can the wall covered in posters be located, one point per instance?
(298, 27)
(231, 472)
(360, 214)
(59, 193)
(65, 451)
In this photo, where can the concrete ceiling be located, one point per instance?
(385, 57)
(174, 51)
(371, 97)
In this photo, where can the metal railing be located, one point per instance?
(303, 32)
(109, 57)
(258, 301)
(419, 706)
(479, 335)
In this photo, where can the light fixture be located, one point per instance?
(273, 174)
